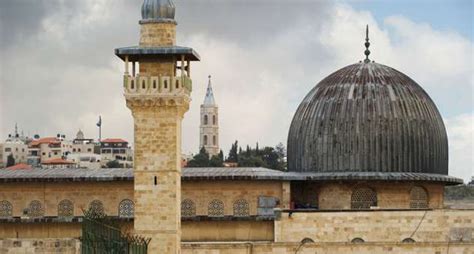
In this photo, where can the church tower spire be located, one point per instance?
(209, 128)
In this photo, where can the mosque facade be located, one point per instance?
(367, 167)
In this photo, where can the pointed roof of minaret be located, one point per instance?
(209, 99)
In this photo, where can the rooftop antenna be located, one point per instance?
(367, 44)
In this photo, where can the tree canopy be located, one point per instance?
(202, 159)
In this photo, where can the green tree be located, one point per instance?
(216, 161)
(10, 160)
(113, 164)
(268, 157)
(233, 155)
(200, 160)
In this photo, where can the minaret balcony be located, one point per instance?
(157, 85)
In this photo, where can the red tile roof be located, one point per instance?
(19, 166)
(57, 161)
(47, 140)
(113, 140)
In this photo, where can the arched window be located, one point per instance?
(154, 84)
(205, 140)
(126, 208)
(188, 208)
(166, 84)
(177, 84)
(143, 84)
(35, 209)
(408, 240)
(214, 140)
(96, 207)
(241, 208)
(363, 198)
(205, 120)
(216, 208)
(418, 198)
(65, 208)
(132, 84)
(6, 209)
(214, 119)
(357, 240)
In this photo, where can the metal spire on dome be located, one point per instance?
(367, 44)
(209, 99)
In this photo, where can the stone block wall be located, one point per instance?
(157, 34)
(44, 245)
(337, 195)
(81, 194)
(203, 192)
(327, 248)
(376, 226)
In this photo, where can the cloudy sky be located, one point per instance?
(58, 72)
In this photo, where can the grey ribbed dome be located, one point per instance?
(158, 10)
(368, 117)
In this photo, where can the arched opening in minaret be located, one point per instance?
(214, 119)
(205, 140)
(214, 140)
(205, 119)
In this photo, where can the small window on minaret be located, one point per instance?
(214, 142)
(132, 85)
(205, 140)
(214, 119)
(154, 84)
(166, 84)
(143, 84)
(177, 84)
(205, 120)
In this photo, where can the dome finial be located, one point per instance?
(367, 44)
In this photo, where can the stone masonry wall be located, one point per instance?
(376, 226)
(203, 192)
(327, 248)
(393, 195)
(157, 34)
(44, 245)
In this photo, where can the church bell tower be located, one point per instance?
(157, 90)
(209, 128)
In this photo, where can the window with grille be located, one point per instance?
(6, 209)
(241, 208)
(188, 208)
(97, 207)
(216, 208)
(35, 209)
(418, 198)
(363, 198)
(126, 208)
(357, 240)
(65, 208)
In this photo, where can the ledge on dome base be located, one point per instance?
(134, 53)
(160, 20)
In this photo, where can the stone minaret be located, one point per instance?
(158, 96)
(209, 128)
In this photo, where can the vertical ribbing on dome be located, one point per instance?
(367, 117)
